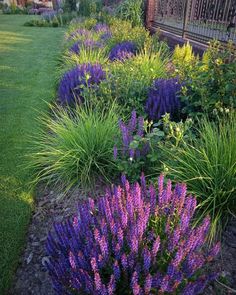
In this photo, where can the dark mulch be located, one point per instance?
(32, 278)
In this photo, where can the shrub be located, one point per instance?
(163, 97)
(184, 60)
(134, 240)
(75, 147)
(122, 51)
(123, 31)
(212, 84)
(129, 81)
(89, 7)
(72, 83)
(139, 148)
(131, 10)
(207, 164)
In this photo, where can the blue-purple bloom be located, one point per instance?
(88, 44)
(101, 28)
(135, 127)
(73, 82)
(123, 50)
(108, 248)
(163, 97)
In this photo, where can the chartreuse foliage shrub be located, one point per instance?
(123, 31)
(134, 240)
(184, 60)
(207, 164)
(128, 81)
(210, 86)
(75, 146)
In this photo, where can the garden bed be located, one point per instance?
(160, 126)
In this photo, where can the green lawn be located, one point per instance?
(27, 63)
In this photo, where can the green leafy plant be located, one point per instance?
(123, 31)
(89, 7)
(129, 81)
(75, 147)
(131, 10)
(208, 165)
(212, 85)
(184, 60)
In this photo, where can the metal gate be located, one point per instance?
(199, 20)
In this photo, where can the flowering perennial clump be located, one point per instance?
(122, 51)
(79, 33)
(73, 82)
(135, 127)
(134, 240)
(88, 43)
(163, 98)
(101, 28)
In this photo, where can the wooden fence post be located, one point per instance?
(150, 13)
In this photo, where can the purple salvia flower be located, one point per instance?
(116, 270)
(163, 97)
(97, 281)
(94, 264)
(103, 246)
(148, 284)
(122, 51)
(134, 283)
(72, 260)
(146, 259)
(214, 251)
(76, 248)
(155, 247)
(124, 261)
(73, 81)
(132, 122)
(111, 285)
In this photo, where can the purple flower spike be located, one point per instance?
(118, 244)
(122, 51)
(163, 98)
(73, 82)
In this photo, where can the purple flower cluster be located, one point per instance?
(105, 36)
(134, 240)
(101, 28)
(84, 33)
(72, 83)
(163, 98)
(135, 127)
(122, 51)
(87, 43)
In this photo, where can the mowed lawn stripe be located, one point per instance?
(28, 57)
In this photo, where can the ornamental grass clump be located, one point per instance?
(122, 51)
(75, 147)
(207, 164)
(134, 240)
(163, 97)
(72, 83)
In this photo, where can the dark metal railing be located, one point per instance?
(199, 20)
